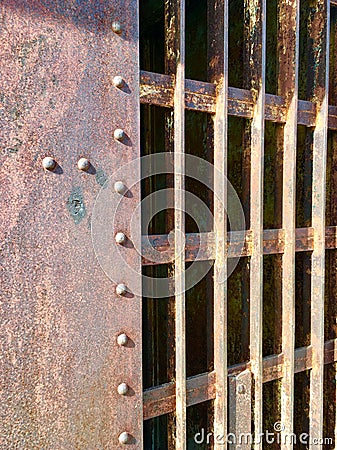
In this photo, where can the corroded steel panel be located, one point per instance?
(60, 316)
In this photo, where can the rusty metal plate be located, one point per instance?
(60, 316)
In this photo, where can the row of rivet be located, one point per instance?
(83, 164)
(120, 238)
(50, 164)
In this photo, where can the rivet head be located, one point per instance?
(241, 389)
(83, 164)
(118, 81)
(120, 187)
(119, 134)
(124, 438)
(122, 340)
(49, 163)
(123, 389)
(121, 289)
(116, 27)
(120, 238)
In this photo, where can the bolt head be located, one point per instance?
(118, 81)
(241, 389)
(49, 163)
(83, 164)
(122, 340)
(119, 134)
(120, 238)
(121, 289)
(123, 389)
(124, 438)
(120, 187)
(116, 27)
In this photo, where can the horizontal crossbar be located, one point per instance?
(201, 246)
(201, 388)
(158, 89)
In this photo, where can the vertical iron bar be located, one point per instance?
(320, 37)
(170, 69)
(240, 415)
(218, 15)
(179, 221)
(255, 13)
(288, 87)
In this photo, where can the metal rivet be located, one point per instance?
(49, 163)
(120, 187)
(241, 389)
(122, 340)
(120, 238)
(118, 81)
(123, 389)
(83, 164)
(119, 134)
(124, 438)
(121, 289)
(116, 27)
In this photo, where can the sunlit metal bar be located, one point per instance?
(288, 88)
(240, 400)
(157, 89)
(201, 247)
(201, 388)
(319, 34)
(178, 21)
(218, 73)
(255, 13)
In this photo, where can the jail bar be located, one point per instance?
(256, 55)
(319, 32)
(218, 57)
(178, 7)
(157, 89)
(288, 88)
(201, 246)
(240, 420)
(200, 388)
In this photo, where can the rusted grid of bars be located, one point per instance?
(173, 91)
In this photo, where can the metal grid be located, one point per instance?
(215, 97)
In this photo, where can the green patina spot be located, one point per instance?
(75, 205)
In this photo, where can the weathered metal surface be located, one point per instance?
(319, 33)
(240, 415)
(61, 363)
(177, 10)
(201, 246)
(288, 88)
(218, 74)
(157, 89)
(255, 32)
(161, 400)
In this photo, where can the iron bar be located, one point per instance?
(218, 74)
(178, 19)
(157, 89)
(288, 88)
(255, 30)
(201, 388)
(319, 33)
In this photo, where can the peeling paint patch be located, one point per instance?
(75, 205)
